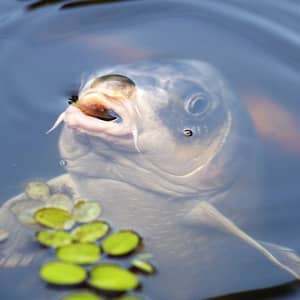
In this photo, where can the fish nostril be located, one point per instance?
(72, 99)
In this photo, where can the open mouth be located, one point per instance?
(93, 113)
(104, 114)
(96, 113)
(104, 107)
(106, 98)
(108, 115)
(92, 106)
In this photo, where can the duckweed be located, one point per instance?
(60, 200)
(82, 296)
(86, 211)
(121, 243)
(37, 190)
(143, 266)
(90, 232)
(29, 205)
(55, 218)
(62, 273)
(110, 277)
(79, 253)
(50, 238)
(56, 211)
(26, 217)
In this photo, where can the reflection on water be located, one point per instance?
(42, 3)
(88, 3)
(69, 4)
(286, 291)
(47, 53)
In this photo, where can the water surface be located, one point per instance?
(48, 48)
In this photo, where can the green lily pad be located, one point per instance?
(53, 217)
(82, 296)
(37, 190)
(89, 233)
(109, 277)
(62, 273)
(79, 253)
(60, 200)
(121, 243)
(143, 266)
(86, 211)
(53, 238)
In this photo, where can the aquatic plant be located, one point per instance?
(111, 277)
(81, 239)
(62, 273)
(121, 243)
(91, 232)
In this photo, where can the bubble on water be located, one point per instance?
(63, 163)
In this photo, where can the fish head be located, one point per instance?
(171, 127)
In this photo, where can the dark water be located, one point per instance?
(47, 47)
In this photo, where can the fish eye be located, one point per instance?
(115, 83)
(198, 104)
(188, 132)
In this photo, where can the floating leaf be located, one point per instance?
(86, 211)
(25, 211)
(62, 273)
(79, 253)
(143, 266)
(53, 217)
(26, 217)
(90, 232)
(82, 296)
(60, 200)
(121, 243)
(54, 238)
(113, 278)
(3, 235)
(37, 190)
(26, 205)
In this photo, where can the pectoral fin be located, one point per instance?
(284, 258)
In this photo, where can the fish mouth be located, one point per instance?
(102, 115)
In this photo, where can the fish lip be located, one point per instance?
(125, 126)
(98, 98)
(74, 118)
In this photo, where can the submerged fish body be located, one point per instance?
(168, 150)
(183, 139)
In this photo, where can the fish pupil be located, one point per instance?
(187, 132)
